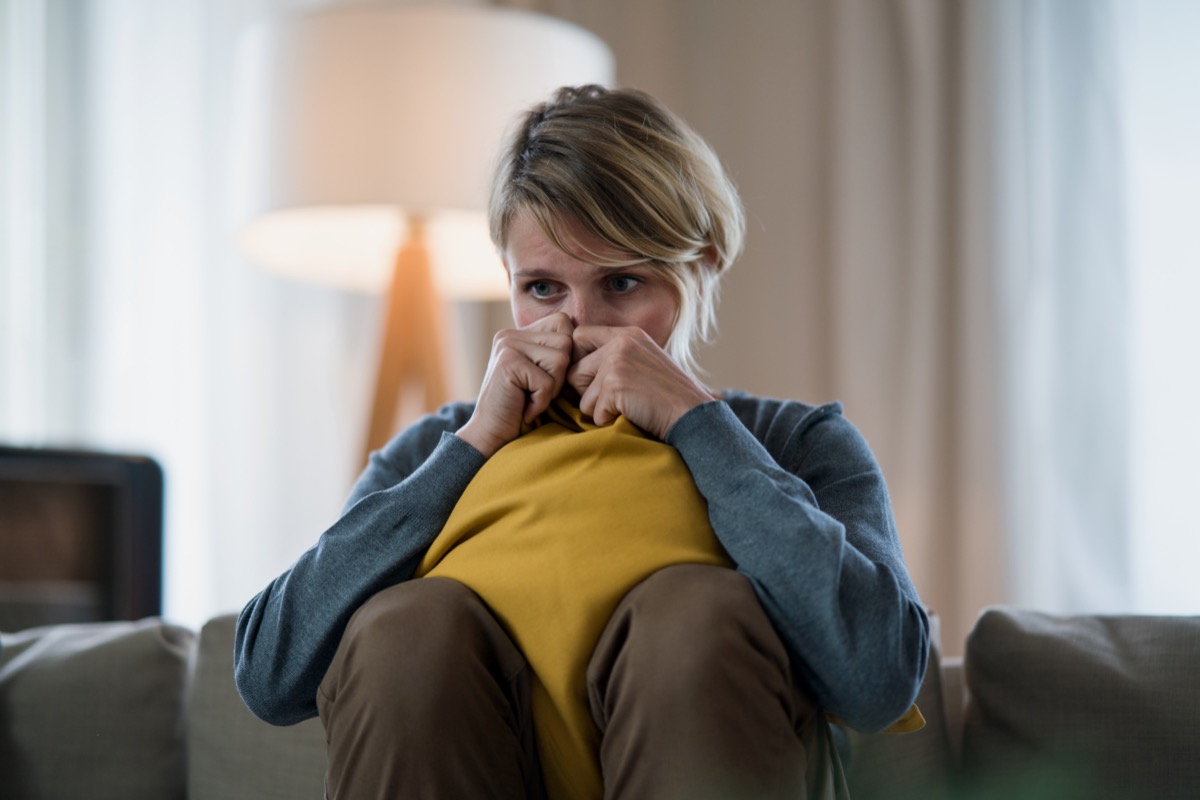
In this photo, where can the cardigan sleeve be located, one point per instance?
(801, 507)
(287, 635)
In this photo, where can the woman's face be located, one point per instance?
(544, 280)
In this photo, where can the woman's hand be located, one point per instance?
(527, 369)
(623, 372)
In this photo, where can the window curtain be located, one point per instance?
(979, 292)
(1007, 261)
(130, 323)
(1161, 130)
(1053, 189)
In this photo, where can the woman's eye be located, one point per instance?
(623, 283)
(539, 289)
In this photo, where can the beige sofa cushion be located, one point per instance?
(1095, 706)
(232, 755)
(93, 711)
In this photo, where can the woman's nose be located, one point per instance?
(584, 310)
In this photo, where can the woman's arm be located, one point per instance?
(816, 538)
(287, 635)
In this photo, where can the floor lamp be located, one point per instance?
(372, 132)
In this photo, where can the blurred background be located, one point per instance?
(972, 222)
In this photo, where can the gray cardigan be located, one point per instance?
(794, 495)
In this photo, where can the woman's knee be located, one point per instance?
(687, 630)
(690, 684)
(691, 607)
(419, 633)
(425, 609)
(426, 687)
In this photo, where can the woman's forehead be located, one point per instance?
(544, 238)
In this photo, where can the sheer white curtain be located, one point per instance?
(1015, 183)
(32, 183)
(1053, 188)
(1160, 59)
(131, 324)
(1085, 162)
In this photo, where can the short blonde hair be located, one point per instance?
(634, 175)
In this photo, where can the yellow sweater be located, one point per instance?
(552, 532)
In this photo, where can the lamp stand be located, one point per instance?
(412, 349)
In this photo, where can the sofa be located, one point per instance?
(1040, 706)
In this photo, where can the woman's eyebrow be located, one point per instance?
(554, 273)
(534, 272)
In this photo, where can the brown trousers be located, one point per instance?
(689, 685)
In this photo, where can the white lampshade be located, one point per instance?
(355, 119)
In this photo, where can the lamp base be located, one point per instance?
(412, 351)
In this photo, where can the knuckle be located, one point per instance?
(505, 355)
(630, 342)
(502, 338)
(560, 359)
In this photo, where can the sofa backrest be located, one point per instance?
(94, 710)
(1083, 706)
(1061, 707)
(142, 711)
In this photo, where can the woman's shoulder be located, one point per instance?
(764, 414)
(793, 430)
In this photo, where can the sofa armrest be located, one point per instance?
(954, 698)
(907, 765)
(231, 753)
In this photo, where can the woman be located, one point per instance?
(615, 222)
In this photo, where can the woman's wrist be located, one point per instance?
(474, 434)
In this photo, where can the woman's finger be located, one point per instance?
(526, 371)
(628, 374)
